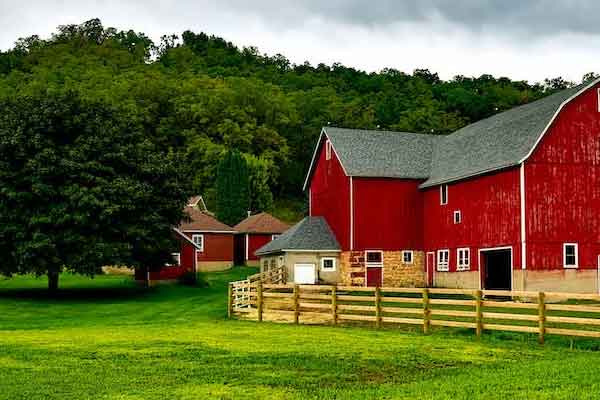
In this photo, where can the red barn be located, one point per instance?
(509, 202)
(253, 233)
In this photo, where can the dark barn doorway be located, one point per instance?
(497, 269)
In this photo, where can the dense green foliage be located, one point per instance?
(83, 187)
(104, 338)
(204, 95)
(233, 188)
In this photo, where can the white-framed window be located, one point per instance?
(199, 240)
(374, 258)
(176, 257)
(328, 150)
(570, 255)
(443, 195)
(328, 264)
(443, 258)
(463, 257)
(407, 257)
(274, 236)
(457, 217)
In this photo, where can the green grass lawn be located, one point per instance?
(107, 339)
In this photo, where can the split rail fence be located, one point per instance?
(481, 310)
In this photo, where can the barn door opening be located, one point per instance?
(430, 268)
(497, 269)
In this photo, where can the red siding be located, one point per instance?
(490, 208)
(388, 214)
(562, 181)
(217, 247)
(330, 195)
(255, 242)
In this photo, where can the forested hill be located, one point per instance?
(203, 95)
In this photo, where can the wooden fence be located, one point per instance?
(481, 310)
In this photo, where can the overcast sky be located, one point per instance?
(529, 40)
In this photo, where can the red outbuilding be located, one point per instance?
(253, 233)
(509, 202)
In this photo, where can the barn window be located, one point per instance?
(443, 256)
(464, 259)
(273, 237)
(328, 264)
(199, 241)
(281, 261)
(176, 257)
(570, 255)
(457, 217)
(328, 150)
(265, 265)
(273, 263)
(374, 258)
(407, 257)
(444, 195)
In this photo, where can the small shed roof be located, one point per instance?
(312, 234)
(203, 222)
(261, 223)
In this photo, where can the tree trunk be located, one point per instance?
(53, 279)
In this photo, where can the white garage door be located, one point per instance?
(304, 274)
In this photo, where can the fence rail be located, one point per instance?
(481, 310)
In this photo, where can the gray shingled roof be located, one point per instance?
(312, 233)
(383, 153)
(501, 141)
(497, 142)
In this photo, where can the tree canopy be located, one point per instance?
(205, 96)
(233, 188)
(83, 186)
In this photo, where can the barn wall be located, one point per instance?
(330, 195)
(490, 207)
(217, 247)
(388, 214)
(562, 180)
(255, 242)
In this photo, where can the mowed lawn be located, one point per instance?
(106, 339)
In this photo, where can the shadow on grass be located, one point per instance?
(80, 295)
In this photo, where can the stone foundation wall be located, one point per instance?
(395, 271)
(456, 280)
(557, 280)
(213, 266)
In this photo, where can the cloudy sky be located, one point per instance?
(520, 39)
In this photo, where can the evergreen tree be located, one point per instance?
(233, 188)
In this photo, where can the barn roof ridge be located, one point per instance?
(500, 141)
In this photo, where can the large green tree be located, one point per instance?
(83, 186)
(233, 188)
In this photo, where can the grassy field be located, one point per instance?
(107, 339)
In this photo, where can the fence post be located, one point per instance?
(426, 311)
(334, 305)
(296, 304)
(259, 300)
(378, 306)
(230, 300)
(542, 316)
(478, 312)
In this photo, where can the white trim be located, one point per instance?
(185, 237)
(598, 91)
(327, 150)
(564, 103)
(351, 214)
(312, 161)
(598, 274)
(463, 267)
(274, 236)
(199, 248)
(443, 191)
(247, 246)
(523, 221)
(459, 214)
(205, 231)
(570, 266)
(443, 267)
(333, 259)
(483, 250)
(412, 256)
